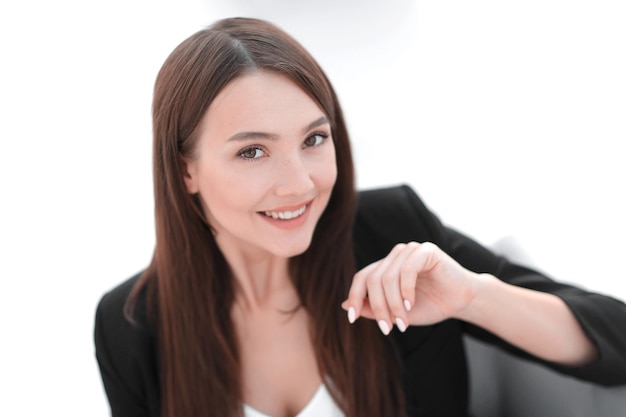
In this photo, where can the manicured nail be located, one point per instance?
(407, 305)
(384, 327)
(351, 315)
(400, 324)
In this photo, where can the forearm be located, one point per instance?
(539, 323)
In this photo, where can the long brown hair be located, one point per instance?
(189, 283)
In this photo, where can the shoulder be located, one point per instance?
(386, 216)
(112, 304)
(116, 297)
(126, 353)
(400, 200)
(114, 330)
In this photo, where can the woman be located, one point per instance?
(259, 237)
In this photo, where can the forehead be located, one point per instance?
(260, 100)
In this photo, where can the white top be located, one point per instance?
(321, 405)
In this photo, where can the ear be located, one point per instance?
(189, 176)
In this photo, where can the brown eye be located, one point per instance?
(315, 140)
(252, 152)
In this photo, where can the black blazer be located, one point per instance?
(434, 365)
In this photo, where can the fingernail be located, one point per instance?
(407, 305)
(351, 315)
(384, 327)
(400, 324)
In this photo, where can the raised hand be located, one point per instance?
(415, 284)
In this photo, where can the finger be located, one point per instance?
(418, 261)
(377, 298)
(366, 310)
(391, 282)
(358, 292)
(377, 301)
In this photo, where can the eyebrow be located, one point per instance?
(242, 136)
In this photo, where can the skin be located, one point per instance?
(264, 146)
(418, 284)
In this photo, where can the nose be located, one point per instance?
(293, 177)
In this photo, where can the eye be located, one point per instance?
(251, 153)
(315, 139)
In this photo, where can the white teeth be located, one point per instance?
(285, 215)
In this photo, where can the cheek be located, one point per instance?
(229, 190)
(328, 170)
(330, 176)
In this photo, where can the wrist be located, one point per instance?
(483, 286)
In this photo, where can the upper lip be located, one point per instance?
(293, 207)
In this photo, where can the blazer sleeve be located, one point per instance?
(602, 318)
(124, 355)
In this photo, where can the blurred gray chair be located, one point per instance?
(502, 385)
(505, 386)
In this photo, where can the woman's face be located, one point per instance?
(264, 165)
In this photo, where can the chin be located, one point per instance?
(293, 250)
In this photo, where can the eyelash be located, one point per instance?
(323, 135)
(241, 153)
(261, 148)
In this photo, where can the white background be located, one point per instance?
(508, 118)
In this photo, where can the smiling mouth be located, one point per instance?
(285, 215)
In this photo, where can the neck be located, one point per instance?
(262, 279)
